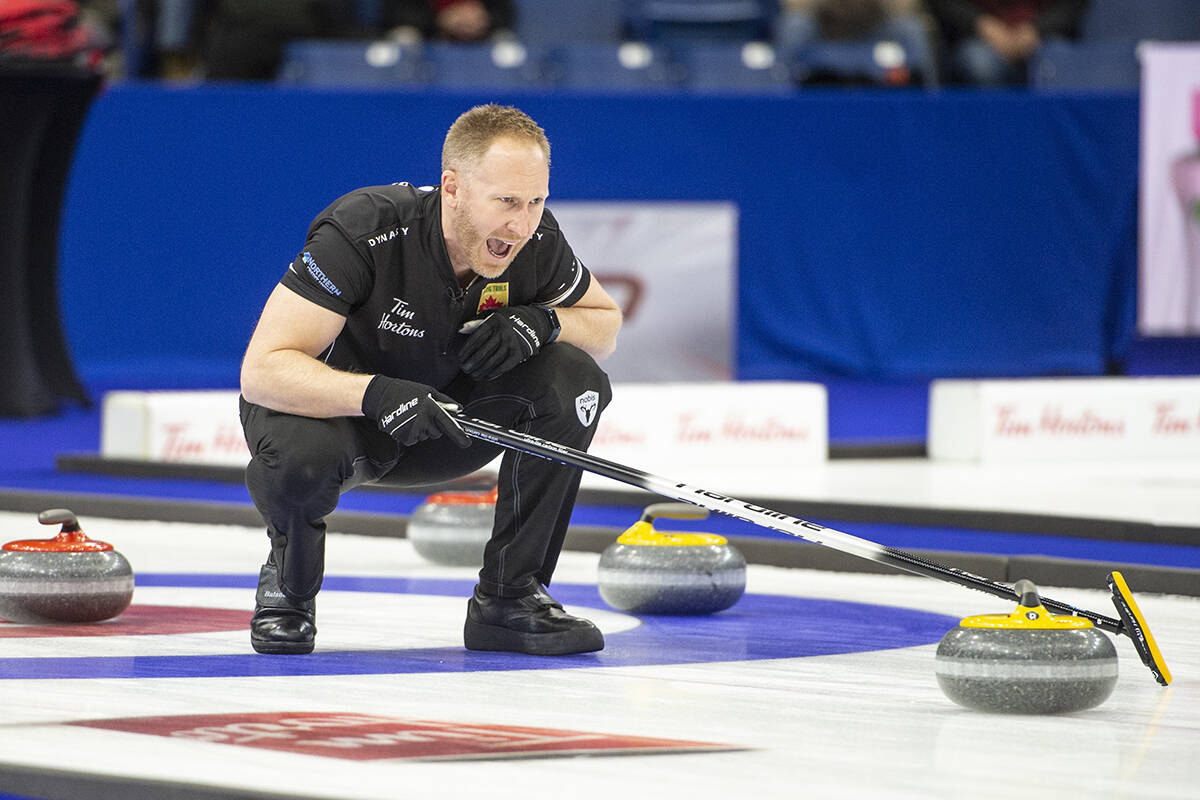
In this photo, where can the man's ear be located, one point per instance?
(451, 186)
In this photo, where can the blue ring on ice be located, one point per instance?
(757, 627)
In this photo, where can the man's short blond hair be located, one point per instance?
(474, 131)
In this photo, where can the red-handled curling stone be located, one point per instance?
(69, 578)
(452, 528)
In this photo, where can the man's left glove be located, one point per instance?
(505, 339)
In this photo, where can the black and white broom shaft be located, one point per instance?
(759, 515)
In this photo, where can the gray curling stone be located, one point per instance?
(69, 578)
(452, 528)
(651, 572)
(1027, 662)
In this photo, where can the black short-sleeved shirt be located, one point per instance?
(377, 257)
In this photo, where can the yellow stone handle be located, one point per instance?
(642, 532)
(1030, 614)
(673, 511)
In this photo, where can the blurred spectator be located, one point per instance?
(990, 42)
(453, 20)
(77, 34)
(102, 21)
(804, 22)
(176, 38)
(244, 39)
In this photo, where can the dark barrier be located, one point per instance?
(888, 234)
(41, 112)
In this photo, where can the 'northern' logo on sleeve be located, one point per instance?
(310, 264)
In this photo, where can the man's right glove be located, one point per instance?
(410, 412)
(505, 338)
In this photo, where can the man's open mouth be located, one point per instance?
(499, 248)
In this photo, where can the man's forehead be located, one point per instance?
(511, 173)
(513, 144)
(512, 156)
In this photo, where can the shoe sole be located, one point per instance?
(480, 636)
(282, 648)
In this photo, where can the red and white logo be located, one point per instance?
(366, 737)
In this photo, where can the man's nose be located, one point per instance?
(521, 223)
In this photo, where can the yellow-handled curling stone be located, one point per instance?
(1026, 662)
(69, 578)
(651, 572)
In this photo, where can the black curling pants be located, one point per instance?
(300, 466)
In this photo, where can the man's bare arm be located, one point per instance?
(280, 369)
(591, 324)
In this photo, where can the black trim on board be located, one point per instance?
(816, 510)
(780, 552)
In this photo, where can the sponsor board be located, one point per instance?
(702, 432)
(1064, 419)
(743, 437)
(199, 427)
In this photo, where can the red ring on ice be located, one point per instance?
(139, 620)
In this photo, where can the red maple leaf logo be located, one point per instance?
(490, 303)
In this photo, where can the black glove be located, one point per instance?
(409, 412)
(506, 338)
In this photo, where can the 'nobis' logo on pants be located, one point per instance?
(586, 406)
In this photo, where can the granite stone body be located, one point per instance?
(671, 579)
(453, 534)
(42, 587)
(1013, 671)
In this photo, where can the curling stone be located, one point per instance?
(69, 578)
(452, 528)
(650, 572)
(1027, 662)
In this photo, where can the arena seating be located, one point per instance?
(319, 62)
(1086, 65)
(1163, 20)
(616, 67)
(1105, 55)
(499, 65)
(544, 23)
(870, 63)
(695, 45)
(732, 66)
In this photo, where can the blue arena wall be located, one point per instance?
(884, 234)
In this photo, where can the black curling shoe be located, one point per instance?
(534, 624)
(279, 625)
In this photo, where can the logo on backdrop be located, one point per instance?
(585, 407)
